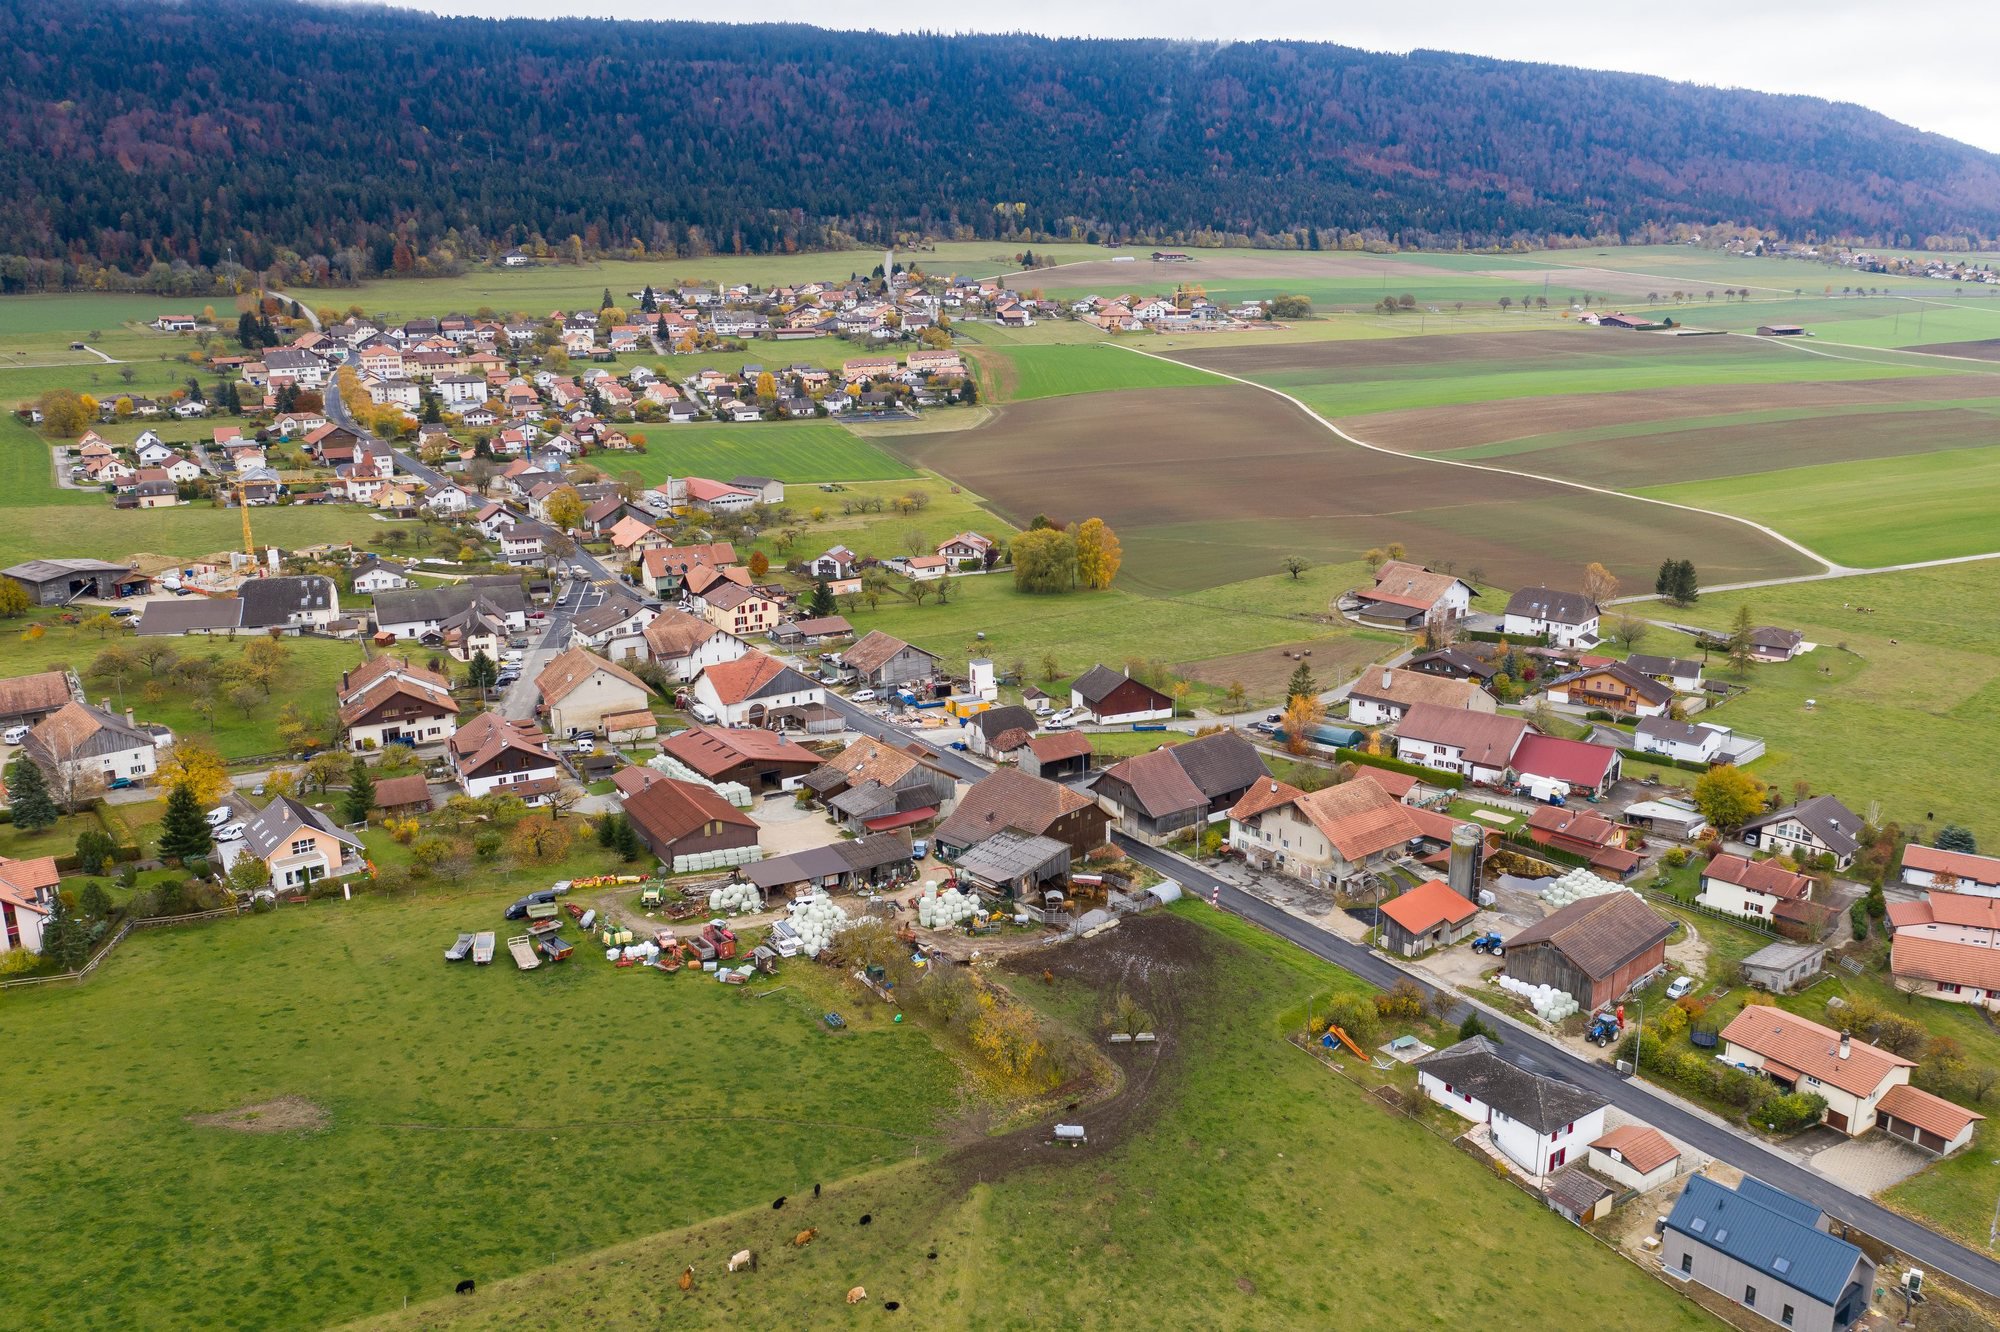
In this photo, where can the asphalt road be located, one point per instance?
(867, 723)
(1925, 1247)
(518, 702)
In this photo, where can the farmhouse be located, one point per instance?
(1750, 887)
(1328, 837)
(1821, 826)
(757, 759)
(1585, 833)
(83, 748)
(681, 823)
(757, 690)
(1154, 795)
(879, 859)
(883, 662)
(490, 753)
(871, 783)
(1012, 800)
(1430, 915)
(298, 844)
(26, 699)
(1478, 745)
(1114, 699)
(1769, 1252)
(1409, 596)
(59, 582)
(387, 701)
(1566, 619)
(1596, 949)
(1001, 732)
(1953, 871)
(1381, 697)
(1059, 757)
(684, 645)
(1539, 1123)
(1614, 688)
(579, 689)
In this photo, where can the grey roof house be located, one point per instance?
(1767, 1251)
(1815, 827)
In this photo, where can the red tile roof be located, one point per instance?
(1931, 1113)
(712, 751)
(1956, 864)
(1644, 1149)
(1359, 818)
(1805, 1045)
(1572, 761)
(1759, 876)
(1428, 905)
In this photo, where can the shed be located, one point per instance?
(1579, 1195)
(1430, 915)
(1015, 866)
(403, 794)
(1928, 1121)
(1636, 1156)
(1595, 949)
(1782, 967)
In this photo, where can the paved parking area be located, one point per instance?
(1868, 1165)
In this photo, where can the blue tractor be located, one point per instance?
(1603, 1029)
(1489, 942)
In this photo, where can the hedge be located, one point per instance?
(1554, 854)
(1435, 776)
(71, 863)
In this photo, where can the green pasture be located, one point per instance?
(789, 451)
(1027, 372)
(1871, 513)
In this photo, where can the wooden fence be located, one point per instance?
(153, 922)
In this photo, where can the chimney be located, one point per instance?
(104, 704)
(1846, 1044)
(130, 720)
(1387, 675)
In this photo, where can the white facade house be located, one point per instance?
(1538, 1123)
(754, 689)
(1566, 619)
(1691, 742)
(1752, 888)
(1953, 871)
(382, 577)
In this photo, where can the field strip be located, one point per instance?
(1599, 268)
(590, 1124)
(1783, 540)
(1988, 366)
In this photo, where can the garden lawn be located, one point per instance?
(1870, 513)
(788, 451)
(1237, 1199)
(480, 1121)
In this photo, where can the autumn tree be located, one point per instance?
(1599, 583)
(1302, 713)
(14, 601)
(195, 764)
(65, 412)
(760, 564)
(1045, 561)
(1098, 554)
(565, 508)
(540, 839)
(1728, 797)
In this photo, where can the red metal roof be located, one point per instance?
(908, 818)
(1572, 761)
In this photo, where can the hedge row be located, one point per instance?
(71, 863)
(1434, 776)
(1554, 854)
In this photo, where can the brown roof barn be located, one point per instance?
(1594, 949)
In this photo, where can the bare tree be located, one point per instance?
(1630, 631)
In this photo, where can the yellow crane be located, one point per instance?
(243, 504)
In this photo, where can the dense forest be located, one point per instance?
(341, 142)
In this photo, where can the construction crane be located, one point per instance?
(249, 543)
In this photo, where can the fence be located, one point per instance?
(154, 922)
(1747, 922)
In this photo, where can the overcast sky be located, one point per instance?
(1919, 65)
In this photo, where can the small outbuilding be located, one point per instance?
(1016, 867)
(1637, 1156)
(1428, 916)
(1783, 967)
(1924, 1120)
(1578, 1195)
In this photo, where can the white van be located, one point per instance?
(701, 712)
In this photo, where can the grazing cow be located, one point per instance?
(815, 1193)
(686, 1282)
(741, 1259)
(857, 1295)
(805, 1237)
(465, 1287)
(778, 1204)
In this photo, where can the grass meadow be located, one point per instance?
(1202, 1214)
(1023, 373)
(790, 451)
(480, 1121)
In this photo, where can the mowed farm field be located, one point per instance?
(1212, 485)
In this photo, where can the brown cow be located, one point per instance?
(805, 1237)
(687, 1278)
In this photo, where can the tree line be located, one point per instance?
(325, 144)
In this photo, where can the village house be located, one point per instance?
(1329, 837)
(27, 898)
(838, 562)
(1596, 949)
(615, 629)
(1821, 826)
(743, 611)
(1584, 832)
(681, 823)
(578, 690)
(1408, 596)
(757, 690)
(881, 661)
(1152, 796)
(491, 753)
(1000, 733)
(1538, 1123)
(1769, 643)
(1614, 688)
(1689, 742)
(1751, 887)
(1769, 1252)
(83, 749)
(1566, 619)
(965, 547)
(663, 570)
(685, 645)
(297, 844)
(387, 701)
(1011, 800)
(26, 699)
(1864, 1087)
(1477, 745)
(1952, 871)
(871, 787)
(377, 575)
(1381, 697)
(419, 613)
(1947, 946)
(1680, 674)
(1110, 698)
(811, 631)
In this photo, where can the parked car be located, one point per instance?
(519, 909)
(863, 696)
(220, 815)
(229, 832)
(1681, 986)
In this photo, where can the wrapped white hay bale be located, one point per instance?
(732, 898)
(1576, 885)
(817, 919)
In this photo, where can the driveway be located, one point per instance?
(1867, 1165)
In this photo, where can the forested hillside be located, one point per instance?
(136, 132)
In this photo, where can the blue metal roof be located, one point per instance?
(1767, 1229)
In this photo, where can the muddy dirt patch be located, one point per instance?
(287, 1114)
